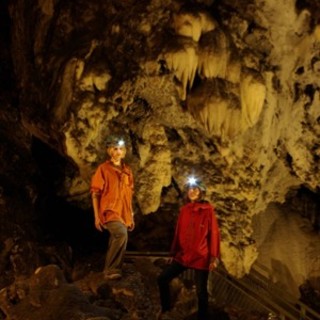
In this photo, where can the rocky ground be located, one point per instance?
(48, 294)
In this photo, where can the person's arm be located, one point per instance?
(98, 183)
(131, 227)
(96, 205)
(214, 262)
(214, 242)
(131, 186)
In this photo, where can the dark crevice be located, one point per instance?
(58, 220)
(309, 90)
(300, 70)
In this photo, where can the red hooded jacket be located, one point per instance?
(197, 236)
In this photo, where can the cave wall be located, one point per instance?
(288, 244)
(227, 90)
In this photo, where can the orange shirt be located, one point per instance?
(115, 187)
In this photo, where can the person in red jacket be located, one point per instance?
(196, 245)
(111, 191)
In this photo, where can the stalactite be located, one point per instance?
(213, 55)
(233, 70)
(252, 92)
(207, 22)
(193, 24)
(182, 59)
(217, 108)
(187, 25)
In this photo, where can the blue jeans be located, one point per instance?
(201, 281)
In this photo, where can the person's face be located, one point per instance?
(117, 153)
(193, 193)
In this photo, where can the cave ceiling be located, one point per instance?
(225, 90)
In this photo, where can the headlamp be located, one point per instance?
(121, 143)
(192, 181)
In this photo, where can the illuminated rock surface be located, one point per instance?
(227, 90)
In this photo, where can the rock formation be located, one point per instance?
(226, 90)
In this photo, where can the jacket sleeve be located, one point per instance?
(98, 181)
(214, 236)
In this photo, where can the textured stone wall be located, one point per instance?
(227, 90)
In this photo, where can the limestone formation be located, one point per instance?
(227, 90)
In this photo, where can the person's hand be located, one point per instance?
(98, 224)
(131, 227)
(213, 264)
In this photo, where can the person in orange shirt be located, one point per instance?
(111, 191)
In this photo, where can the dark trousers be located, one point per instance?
(201, 281)
(116, 247)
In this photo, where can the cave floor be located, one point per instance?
(136, 294)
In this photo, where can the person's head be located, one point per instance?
(195, 189)
(116, 148)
